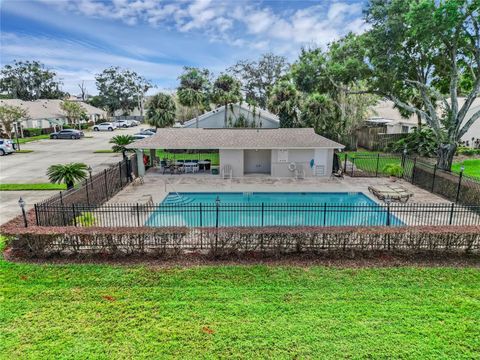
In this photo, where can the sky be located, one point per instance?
(157, 38)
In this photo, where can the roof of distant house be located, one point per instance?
(262, 113)
(193, 138)
(48, 108)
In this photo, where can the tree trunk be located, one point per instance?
(196, 117)
(445, 155)
(69, 185)
(225, 116)
(419, 121)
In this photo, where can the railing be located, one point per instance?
(458, 188)
(95, 190)
(255, 215)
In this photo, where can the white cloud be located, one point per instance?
(236, 23)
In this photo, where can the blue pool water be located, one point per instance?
(193, 209)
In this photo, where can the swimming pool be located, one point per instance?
(194, 209)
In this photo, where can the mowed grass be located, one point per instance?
(249, 312)
(368, 161)
(33, 138)
(472, 167)
(37, 186)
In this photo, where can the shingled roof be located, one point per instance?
(283, 138)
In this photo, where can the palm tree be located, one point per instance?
(120, 141)
(226, 90)
(67, 173)
(285, 101)
(161, 111)
(194, 89)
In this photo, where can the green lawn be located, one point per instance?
(38, 186)
(369, 163)
(22, 151)
(199, 156)
(250, 312)
(32, 138)
(472, 167)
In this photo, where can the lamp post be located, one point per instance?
(21, 203)
(89, 169)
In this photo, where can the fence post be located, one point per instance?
(345, 163)
(138, 215)
(106, 183)
(353, 165)
(378, 161)
(216, 217)
(434, 175)
(324, 214)
(120, 173)
(459, 185)
(451, 214)
(413, 169)
(201, 215)
(262, 213)
(62, 210)
(74, 217)
(36, 214)
(388, 213)
(88, 195)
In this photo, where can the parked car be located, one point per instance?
(106, 126)
(6, 147)
(140, 136)
(146, 132)
(123, 123)
(135, 122)
(67, 134)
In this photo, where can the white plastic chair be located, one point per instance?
(227, 171)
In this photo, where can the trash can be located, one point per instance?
(214, 170)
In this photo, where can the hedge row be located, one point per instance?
(46, 241)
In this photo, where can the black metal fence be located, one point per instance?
(94, 190)
(256, 215)
(459, 188)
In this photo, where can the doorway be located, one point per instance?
(257, 161)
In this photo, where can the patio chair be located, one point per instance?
(207, 166)
(299, 173)
(227, 171)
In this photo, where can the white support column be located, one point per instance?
(152, 157)
(140, 164)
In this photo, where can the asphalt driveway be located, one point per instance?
(31, 167)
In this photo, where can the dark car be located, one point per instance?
(67, 134)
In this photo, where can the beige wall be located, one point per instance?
(257, 161)
(301, 157)
(233, 158)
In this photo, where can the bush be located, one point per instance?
(86, 219)
(463, 150)
(29, 132)
(422, 142)
(393, 170)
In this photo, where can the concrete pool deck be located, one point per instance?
(158, 186)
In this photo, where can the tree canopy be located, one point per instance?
(285, 102)
(121, 89)
(259, 76)
(30, 80)
(74, 111)
(226, 90)
(423, 55)
(161, 110)
(9, 115)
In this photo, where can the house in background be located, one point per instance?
(238, 116)
(44, 114)
(283, 152)
(385, 115)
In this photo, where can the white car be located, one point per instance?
(135, 122)
(124, 123)
(6, 147)
(106, 126)
(140, 136)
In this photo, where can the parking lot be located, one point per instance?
(21, 168)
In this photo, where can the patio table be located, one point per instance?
(190, 166)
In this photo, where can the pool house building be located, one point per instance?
(281, 152)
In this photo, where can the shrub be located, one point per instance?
(463, 150)
(85, 219)
(393, 170)
(422, 142)
(29, 132)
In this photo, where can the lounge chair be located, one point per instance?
(391, 192)
(227, 171)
